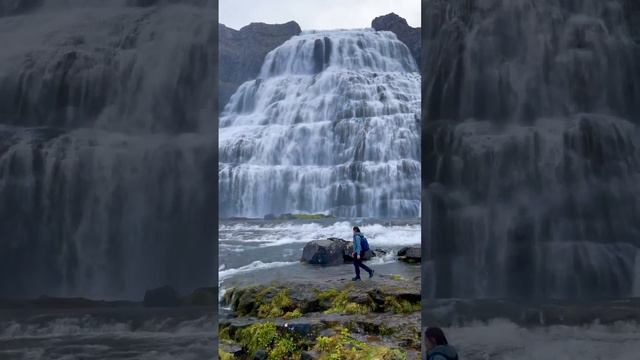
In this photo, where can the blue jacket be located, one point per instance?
(357, 247)
(442, 352)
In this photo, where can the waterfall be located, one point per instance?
(107, 148)
(330, 125)
(531, 148)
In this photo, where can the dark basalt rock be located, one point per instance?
(161, 297)
(242, 52)
(309, 355)
(410, 36)
(325, 252)
(260, 355)
(233, 349)
(410, 254)
(332, 251)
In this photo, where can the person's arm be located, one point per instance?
(357, 248)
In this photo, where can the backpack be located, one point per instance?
(364, 243)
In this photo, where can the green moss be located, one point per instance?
(293, 314)
(328, 294)
(383, 330)
(343, 346)
(411, 261)
(312, 216)
(258, 336)
(224, 334)
(340, 304)
(285, 348)
(267, 311)
(263, 293)
(228, 296)
(400, 306)
(279, 305)
(397, 277)
(266, 336)
(225, 355)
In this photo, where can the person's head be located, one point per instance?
(434, 337)
(356, 229)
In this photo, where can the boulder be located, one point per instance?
(411, 254)
(332, 251)
(325, 252)
(161, 297)
(231, 348)
(207, 296)
(261, 355)
(309, 355)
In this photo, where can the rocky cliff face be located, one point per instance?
(242, 52)
(405, 33)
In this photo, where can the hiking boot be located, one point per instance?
(371, 273)
(355, 279)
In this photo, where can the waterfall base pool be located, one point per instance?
(260, 251)
(113, 333)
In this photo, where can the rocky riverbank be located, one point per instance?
(376, 318)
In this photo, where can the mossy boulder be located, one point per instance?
(296, 298)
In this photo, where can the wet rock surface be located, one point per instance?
(379, 316)
(411, 254)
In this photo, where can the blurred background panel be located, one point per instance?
(530, 169)
(108, 153)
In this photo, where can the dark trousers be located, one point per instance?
(357, 263)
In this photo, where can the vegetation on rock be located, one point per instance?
(225, 355)
(283, 345)
(324, 320)
(400, 306)
(341, 303)
(343, 346)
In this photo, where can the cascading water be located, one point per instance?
(107, 148)
(531, 148)
(330, 125)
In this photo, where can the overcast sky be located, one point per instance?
(316, 14)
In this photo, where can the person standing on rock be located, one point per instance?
(360, 246)
(437, 345)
